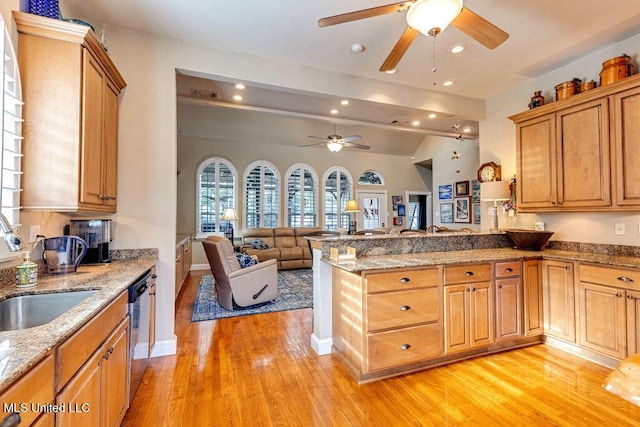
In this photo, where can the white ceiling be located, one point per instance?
(544, 35)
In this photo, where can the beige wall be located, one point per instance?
(399, 172)
(497, 143)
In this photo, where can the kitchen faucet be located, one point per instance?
(11, 239)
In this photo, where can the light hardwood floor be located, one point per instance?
(261, 371)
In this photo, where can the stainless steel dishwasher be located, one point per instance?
(139, 311)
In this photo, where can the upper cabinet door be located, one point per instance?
(536, 161)
(584, 166)
(626, 107)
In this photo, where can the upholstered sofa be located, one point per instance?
(286, 245)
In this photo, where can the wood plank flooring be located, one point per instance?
(261, 371)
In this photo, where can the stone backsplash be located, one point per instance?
(8, 275)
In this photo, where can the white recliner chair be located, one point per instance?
(245, 286)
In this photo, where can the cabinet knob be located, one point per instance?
(625, 279)
(154, 276)
(560, 203)
(553, 202)
(405, 346)
(618, 295)
(468, 289)
(405, 280)
(473, 289)
(509, 270)
(629, 296)
(469, 273)
(499, 286)
(151, 293)
(567, 267)
(405, 308)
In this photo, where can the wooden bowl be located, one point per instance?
(529, 240)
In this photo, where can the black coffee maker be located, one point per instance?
(97, 234)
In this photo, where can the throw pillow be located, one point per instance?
(259, 244)
(246, 260)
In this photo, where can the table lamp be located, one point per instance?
(352, 207)
(229, 215)
(494, 191)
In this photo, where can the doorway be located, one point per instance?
(419, 212)
(373, 210)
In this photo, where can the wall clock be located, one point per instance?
(489, 172)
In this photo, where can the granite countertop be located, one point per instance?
(20, 350)
(408, 260)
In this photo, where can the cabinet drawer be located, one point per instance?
(468, 273)
(76, 350)
(507, 269)
(36, 386)
(610, 276)
(403, 346)
(399, 280)
(403, 308)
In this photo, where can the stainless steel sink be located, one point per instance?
(28, 311)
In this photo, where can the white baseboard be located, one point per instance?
(200, 267)
(321, 346)
(165, 348)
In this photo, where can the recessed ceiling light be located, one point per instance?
(415, 122)
(237, 97)
(240, 86)
(457, 48)
(391, 71)
(448, 83)
(432, 115)
(466, 130)
(344, 102)
(357, 48)
(334, 111)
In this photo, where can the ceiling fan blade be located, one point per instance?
(354, 145)
(399, 49)
(318, 137)
(364, 13)
(479, 29)
(314, 144)
(351, 138)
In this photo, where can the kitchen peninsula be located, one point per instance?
(411, 302)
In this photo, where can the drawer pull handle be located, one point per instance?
(405, 346)
(405, 308)
(405, 280)
(469, 273)
(625, 279)
(509, 270)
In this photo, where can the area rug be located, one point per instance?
(295, 291)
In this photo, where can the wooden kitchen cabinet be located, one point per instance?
(183, 262)
(36, 386)
(71, 92)
(579, 154)
(93, 369)
(533, 297)
(468, 307)
(152, 310)
(626, 107)
(559, 299)
(563, 158)
(633, 323)
(602, 319)
(508, 288)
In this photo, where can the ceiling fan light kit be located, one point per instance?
(430, 17)
(334, 146)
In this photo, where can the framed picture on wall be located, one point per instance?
(400, 210)
(445, 192)
(462, 188)
(397, 220)
(476, 213)
(462, 209)
(396, 200)
(446, 213)
(475, 191)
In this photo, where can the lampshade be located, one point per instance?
(494, 190)
(334, 147)
(425, 15)
(352, 206)
(230, 215)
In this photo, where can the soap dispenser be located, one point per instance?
(26, 273)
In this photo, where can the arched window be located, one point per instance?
(302, 196)
(217, 180)
(261, 201)
(371, 177)
(338, 188)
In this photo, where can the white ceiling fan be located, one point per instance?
(336, 142)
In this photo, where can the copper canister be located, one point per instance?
(615, 69)
(587, 85)
(567, 89)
